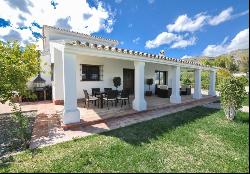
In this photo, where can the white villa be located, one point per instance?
(79, 61)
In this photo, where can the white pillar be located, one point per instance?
(197, 87)
(212, 83)
(175, 96)
(57, 75)
(70, 114)
(139, 102)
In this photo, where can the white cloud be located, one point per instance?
(240, 41)
(186, 57)
(184, 23)
(240, 14)
(188, 25)
(214, 50)
(177, 41)
(84, 18)
(136, 40)
(161, 39)
(184, 43)
(225, 15)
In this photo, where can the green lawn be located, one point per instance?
(195, 140)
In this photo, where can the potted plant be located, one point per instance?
(117, 82)
(149, 82)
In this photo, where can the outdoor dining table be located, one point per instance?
(101, 96)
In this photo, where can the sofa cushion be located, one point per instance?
(183, 89)
(163, 86)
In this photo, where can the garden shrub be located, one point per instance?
(232, 96)
(243, 80)
(21, 131)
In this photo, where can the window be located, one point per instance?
(161, 77)
(91, 72)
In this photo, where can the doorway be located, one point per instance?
(129, 79)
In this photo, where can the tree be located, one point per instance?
(186, 82)
(232, 95)
(205, 79)
(243, 79)
(187, 77)
(244, 63)
(227, 62)
(221, 75)
(205, 61)
(17, 66)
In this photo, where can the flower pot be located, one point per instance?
(148, 93)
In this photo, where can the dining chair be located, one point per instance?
(89, 98)
(111, 96)
(96, 92)
(124, 97)
(107, 89)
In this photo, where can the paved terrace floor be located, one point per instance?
(94, 114)
(48, 128)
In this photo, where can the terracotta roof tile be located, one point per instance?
(91, 36)
(132, 52)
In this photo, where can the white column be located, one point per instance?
(175, 96)
(139, 102)
(197, 87)
(58, 78)
(212, 83)
(70, 114)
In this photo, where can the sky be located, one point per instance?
(182, 28)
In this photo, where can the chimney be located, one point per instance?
(162, 53)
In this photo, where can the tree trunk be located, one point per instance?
(230, 112)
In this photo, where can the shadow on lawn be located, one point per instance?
(6, 161)
(145, 132)
(242, 117)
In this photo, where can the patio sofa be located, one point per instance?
(163, 91)
(185, 90)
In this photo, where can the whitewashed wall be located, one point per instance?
(111, 68)
(46, 70)
(150, 69)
